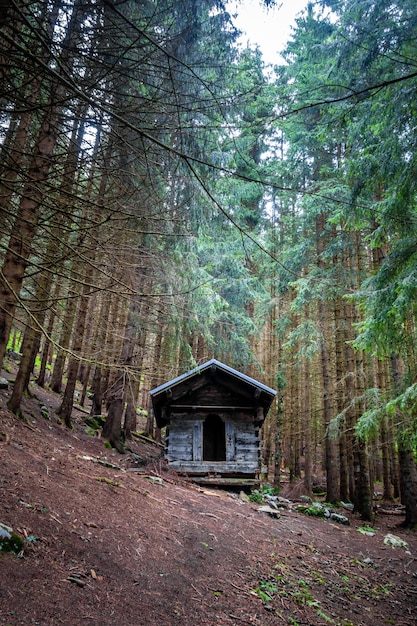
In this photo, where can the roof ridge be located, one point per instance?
(206, 365)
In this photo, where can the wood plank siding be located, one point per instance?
(213, 417)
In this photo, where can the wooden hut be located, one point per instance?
(212, 416)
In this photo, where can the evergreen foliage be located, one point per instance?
(166, 199)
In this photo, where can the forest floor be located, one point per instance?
(115, 539)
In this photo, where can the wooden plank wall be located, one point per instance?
(185, 445)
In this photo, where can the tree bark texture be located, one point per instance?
(24, 228)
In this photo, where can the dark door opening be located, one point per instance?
(214, 439)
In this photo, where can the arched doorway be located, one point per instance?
(214, 439)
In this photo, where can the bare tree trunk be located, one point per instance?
(33, 333)
(323, 309)
(156, 364)
(278, 441)
(112, 429)
(332, 456)
(406, 452)
(307, 420)
(15, 147)
(17, 255)
(350, 383)
(389, 459)
(24, 229)
(125, 385)
(363, 488)
(65, 409)
(408, 483)
(363, 496)
(64, 342)
(30, 345)
(131, 402)
(386, 435)
(341, 396)
(46, 353)
(101, 372)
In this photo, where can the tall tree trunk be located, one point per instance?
(20, 244)
(47, 344)
(150, 422)
(323, 309)
(363, 488)
(112, 429)
(15, 147)
(307, 430)
(64, 342)
(406, 456)
(386, 435)
(350, 382)
(65, 409)
(43, 285)
(408, 469)
(30, 346)
(362, 497)
(131, 405)
(332, 456)
(24, 229)
(341, 399)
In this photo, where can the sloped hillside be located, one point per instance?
(118, 540)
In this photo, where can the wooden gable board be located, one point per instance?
(189, 388)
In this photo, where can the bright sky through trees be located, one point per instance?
(268, 28)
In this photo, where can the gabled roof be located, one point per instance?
(207, 365)
(160, 394)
